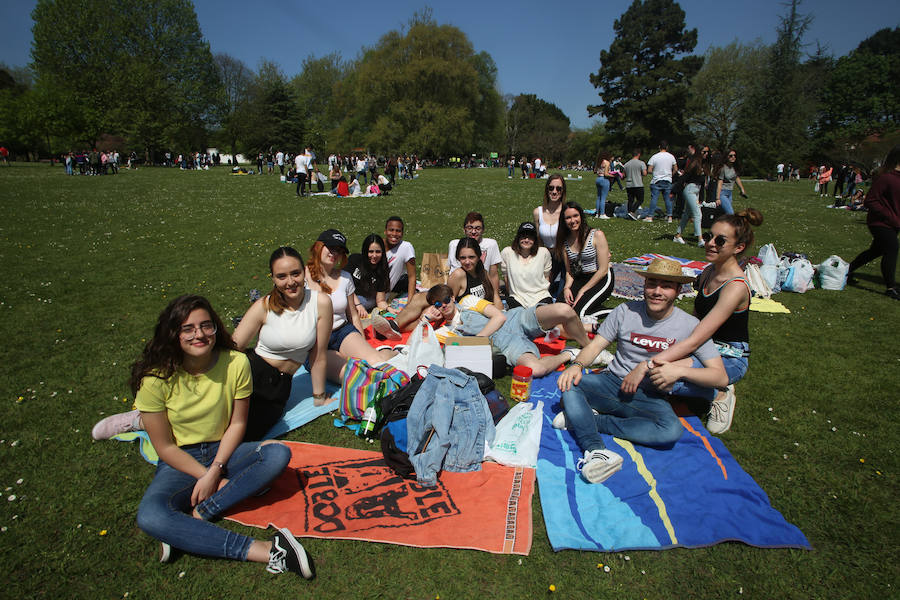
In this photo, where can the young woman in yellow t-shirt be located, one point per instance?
(192, 389)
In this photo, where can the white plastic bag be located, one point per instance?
(758, 284)
(424, 347)
(768, 255)
(796, 275)
(518, 436)
(833, 273)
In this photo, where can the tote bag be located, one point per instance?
(361, 383)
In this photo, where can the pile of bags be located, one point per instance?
(793, 272)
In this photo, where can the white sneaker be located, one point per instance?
(668, 219)
(598, 465)
(604, 358)
(722, 412)
(165, 552)
(560, 422)
(678, 239)
(701, 243)
(572, 352)
(604, 217)
(647, 219)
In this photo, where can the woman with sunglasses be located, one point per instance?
(723, 307)
(728, 176)
(328, 255)
(546, 218)
(526, 266)
(585, 255)
(695, 174)
(192, 388)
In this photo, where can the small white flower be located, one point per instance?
(19, 481)
(11, 497)
(180, 575)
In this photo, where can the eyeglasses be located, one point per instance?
(445, 302)
(189, 332)
(732, 155)
(554, 188)
(474, 228)
(704, 151)
(719, 240)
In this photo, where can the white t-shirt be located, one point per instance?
(490, 254)
(279, 158)
(339, 300)
(537, 164)
(663, 165)
(527, 281)
(301, 161)
(397, 257)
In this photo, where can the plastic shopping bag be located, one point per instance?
(518, 436)
(424, 348)
(833, 273)
(768, 255)
(796, 275)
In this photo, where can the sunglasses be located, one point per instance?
(445, 302)
(719, 240)
(554, 188)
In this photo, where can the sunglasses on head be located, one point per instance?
(719, 240)
(445, 302)
(554, 188)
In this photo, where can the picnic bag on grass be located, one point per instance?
(833, 273)
(517, 438)
(434, 269)
(361, 383)
(795, 275)
(758, 285)
(424, 347)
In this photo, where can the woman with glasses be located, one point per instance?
(695, 174)
(192, 388)
(728, 176)
(328, 255)
(723, 307)
(585, 255)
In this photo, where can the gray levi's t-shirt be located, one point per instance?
(639, 338)
(633, 173)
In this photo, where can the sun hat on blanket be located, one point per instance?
(667, 270)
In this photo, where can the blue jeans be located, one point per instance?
(164, 512)
(691, 196)
(725, 197)
(640, 417)
(660, 187)
(602, 191)
(735, 368)
(509, 170)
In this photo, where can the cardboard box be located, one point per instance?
(473, 353)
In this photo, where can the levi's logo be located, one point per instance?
(651, 343)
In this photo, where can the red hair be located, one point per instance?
(316, 270)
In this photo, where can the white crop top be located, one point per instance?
(547, 231)
(290, 335)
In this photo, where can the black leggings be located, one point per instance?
(591, 303)
(885, 245)
(635, 198)
(271, 391)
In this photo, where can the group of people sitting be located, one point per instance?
(207, 397)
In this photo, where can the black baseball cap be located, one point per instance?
(333, 239)
(527, 229)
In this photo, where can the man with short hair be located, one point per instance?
(635, 171)
(662, 166)
(301, 164)
(473, 227)
(624, 400)
(279, 160)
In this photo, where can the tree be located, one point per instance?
(273, 119)
(643, 86)
(235, 78)
(145, 64)
(541, 128)
(314, 89)
(720, 89)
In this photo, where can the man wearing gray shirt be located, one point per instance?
(635, 171)
(624, 400)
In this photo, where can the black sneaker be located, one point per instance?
(386, 327)
(287, 554)
(893, 293)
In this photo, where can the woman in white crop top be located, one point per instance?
(546, 218)
(293, 325)
(323, 273)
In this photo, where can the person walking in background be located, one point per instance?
(661, 165)
(728, 176)
(601, 169)
(824, 177)
(635, 171)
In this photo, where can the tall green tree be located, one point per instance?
(540, 128)
(273, 119)
(145, 64)
(314, 89)
(235, 78)
(642, 81)
(720, 89)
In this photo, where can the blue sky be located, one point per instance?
(541, 48)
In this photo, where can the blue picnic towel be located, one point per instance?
(691, 495)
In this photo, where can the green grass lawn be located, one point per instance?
(87, 264)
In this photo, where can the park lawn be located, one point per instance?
(88, 263)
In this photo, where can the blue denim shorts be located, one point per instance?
(338, 335)
(515, 337)
(735, 368)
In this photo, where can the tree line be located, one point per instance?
(142, 71)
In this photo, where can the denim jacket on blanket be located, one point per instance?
(450, 402)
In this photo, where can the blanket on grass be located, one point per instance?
(691, 495)
(341, 493)
(630, 286)
(690, 267)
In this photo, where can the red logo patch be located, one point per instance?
(651, 343)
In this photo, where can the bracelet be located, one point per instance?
(221, 467)
(650, 364)
(580, 364)
(319, 396)
(359, 304)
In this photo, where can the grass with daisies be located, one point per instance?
(88, 263)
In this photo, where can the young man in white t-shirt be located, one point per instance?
(301, 163)
(628, 400)
(661, 166)
(401, 257)
(473, 227)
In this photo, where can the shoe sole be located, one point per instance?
(165, 552)
(381, 325)
(306, 567)
(598, 472)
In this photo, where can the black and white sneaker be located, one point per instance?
(287, 554)
(598, 465)
(386, 327)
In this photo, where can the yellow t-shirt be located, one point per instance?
(199, 407)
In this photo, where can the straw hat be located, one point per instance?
(667, 270)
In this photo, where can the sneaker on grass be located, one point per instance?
(560, 422)
(165, 552)
(287, 554)
(598, 465)
(116, 424)
(722, 412)
(678, 239)
(386, 327)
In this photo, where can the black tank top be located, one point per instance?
(736, 327)
(474, 286)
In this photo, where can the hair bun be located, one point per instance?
(752, 216)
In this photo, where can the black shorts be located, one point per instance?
(271, 391)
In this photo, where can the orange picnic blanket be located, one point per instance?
(341, 493)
